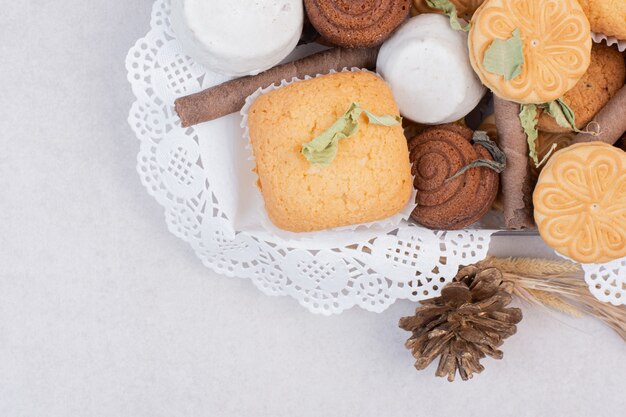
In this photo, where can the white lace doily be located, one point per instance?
(193, 173)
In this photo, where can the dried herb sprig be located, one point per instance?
(558, 285)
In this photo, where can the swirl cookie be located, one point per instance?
(556, 47)
(464, 8)
(356, 23)
(605, 76)
(580, 202)
(437, 154)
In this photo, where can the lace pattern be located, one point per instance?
(180, 168)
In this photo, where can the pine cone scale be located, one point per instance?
(423, 315)
(468, 322)
(507, 315)
(447, 366)
(432, 351)
(416, 344)
(456, 293)
(495, 302)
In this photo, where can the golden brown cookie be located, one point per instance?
(556, 44)
(356, 23)
(437, 154)
(606, 16)
(580, 202)
(606, 75)
(368, 180)
(464, 8)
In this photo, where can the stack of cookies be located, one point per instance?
(330, 150)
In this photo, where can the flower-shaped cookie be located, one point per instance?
(580, 202)
(556, 46)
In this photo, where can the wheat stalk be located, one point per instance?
(558, 285)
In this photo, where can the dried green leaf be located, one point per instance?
(505, 57)
(482, 138)
(386, 120)
(498, 164)
(528, 118)
(568, 112)
(485, 163)
(449, 9)
(322, 150)
(557, 112)
(563, 115)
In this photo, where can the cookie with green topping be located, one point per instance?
(330, 152)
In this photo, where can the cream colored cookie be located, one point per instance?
(580, 202)
(370, 178)
(556, 44)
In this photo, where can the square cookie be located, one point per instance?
(370, 178)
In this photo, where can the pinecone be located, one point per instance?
(466, 323)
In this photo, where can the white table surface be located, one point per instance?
(104, 313)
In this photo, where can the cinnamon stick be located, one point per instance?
(230, 96)
(611, 120)
(517, 187)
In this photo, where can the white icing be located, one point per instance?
(238, 37)
(427, 65)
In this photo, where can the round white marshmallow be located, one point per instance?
(427, 65)
(238, 37)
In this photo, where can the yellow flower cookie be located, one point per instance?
(580, 202)
(555, 43)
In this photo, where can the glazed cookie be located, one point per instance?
(237, 37)
(437, 154)
(530, 51)
(356, 23)
(464, 8)
(606, 16)
(580, 202)
(427, 65)
(606, 75)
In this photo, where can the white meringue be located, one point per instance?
(238, 37)
(427, 65)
